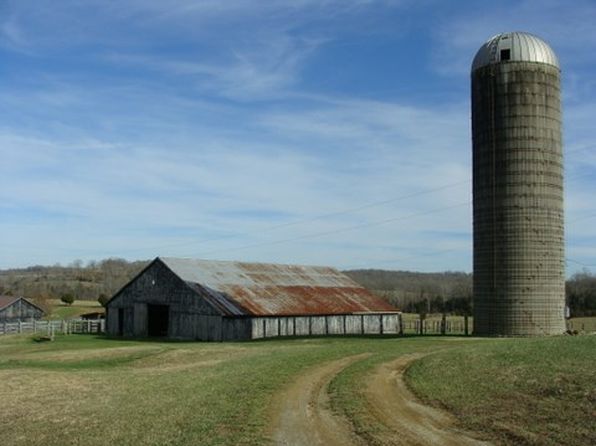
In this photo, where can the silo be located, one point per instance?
(519, 269)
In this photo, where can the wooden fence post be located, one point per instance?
(444, 324)
(400, 321)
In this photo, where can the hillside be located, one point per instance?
(84, 282)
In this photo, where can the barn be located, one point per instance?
(209, 300)
(14, 309)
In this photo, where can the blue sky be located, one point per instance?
(321, 132)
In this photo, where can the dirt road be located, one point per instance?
(409, 421)
(301, 414)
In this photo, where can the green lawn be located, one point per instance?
(59, 310)
(86, 390)
(521, 391)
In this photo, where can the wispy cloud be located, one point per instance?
(264, 71)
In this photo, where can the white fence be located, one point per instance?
(336, 325)
(75, 326)
(433, 327)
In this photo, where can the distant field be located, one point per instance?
(59, 310)
(90, 391)
(583, 324)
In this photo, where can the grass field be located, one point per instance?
(526, 391)
(94, 391)
(59, 310)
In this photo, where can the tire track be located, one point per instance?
(409, 421)
(301, 415)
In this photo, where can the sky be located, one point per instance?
(329, 132)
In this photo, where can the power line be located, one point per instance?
(338, 231)
(567, 259)
(307, 220)
(324, 216)
(401, 259)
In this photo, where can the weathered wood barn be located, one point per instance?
(217, 301)
(14, 309)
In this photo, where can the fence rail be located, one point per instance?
(81, 326)
(74, 326)
(437, 327)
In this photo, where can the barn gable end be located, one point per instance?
(14, 309)
(155, 293)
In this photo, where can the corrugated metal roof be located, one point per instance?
(523, 47)
(263, 289)
(5, 301)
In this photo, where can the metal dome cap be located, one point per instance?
(515, 47)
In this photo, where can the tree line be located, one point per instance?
(422, 293)
(414, 292)
(451, 292)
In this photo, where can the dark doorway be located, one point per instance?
(120, 321)
(158, 317)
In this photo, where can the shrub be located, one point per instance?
(103, 299)
(67, 298)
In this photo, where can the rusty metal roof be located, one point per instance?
(6, 301)
(267, 289)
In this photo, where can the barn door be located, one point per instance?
(158, 318)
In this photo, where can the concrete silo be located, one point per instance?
(519, 269)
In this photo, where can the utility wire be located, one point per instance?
(567, 259)
(337, 231)
(310, 219)
(400, 259)
(321, 217)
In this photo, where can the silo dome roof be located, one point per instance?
(515, 46)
